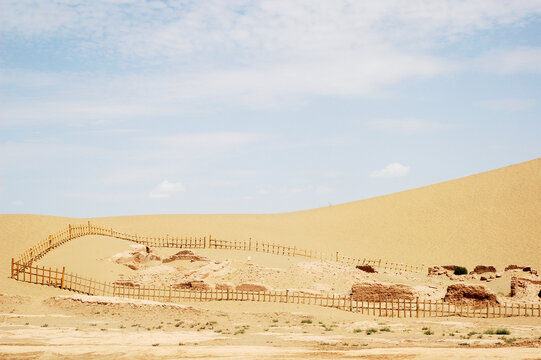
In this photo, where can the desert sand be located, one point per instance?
(490, 218)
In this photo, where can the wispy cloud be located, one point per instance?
(407, 124)
(204, 56)
(526, 60)
(167, 189)
(510, 105)
(390, 171)
(209, 140)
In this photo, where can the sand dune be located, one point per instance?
(490, 218)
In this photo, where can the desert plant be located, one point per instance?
(459, 270)
(429, 332)
(371, 331)
(357, 330)
(503, 332)
(306, 321)
(385, 329)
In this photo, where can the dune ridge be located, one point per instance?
(490, 218)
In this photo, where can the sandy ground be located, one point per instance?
(83, 327)
(95, 256)
(490, 218)
(74, 326)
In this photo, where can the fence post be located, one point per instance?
(70, 231)
(62, 278)
(250, 244)
(287, 296)
(210, 241)
(12, 267)
(89, 228)
(337, 256)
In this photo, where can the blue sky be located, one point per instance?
(141, 107)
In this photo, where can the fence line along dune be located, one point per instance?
(22, 269)
(489, 218)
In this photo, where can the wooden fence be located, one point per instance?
(385, 307)
(73, 232)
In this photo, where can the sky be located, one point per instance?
(122, 107)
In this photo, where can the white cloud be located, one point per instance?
(166, 189)
(258, 29)
(212, 54)
(391, 170)
(407, 124)
(510, 105)
(525, 60)
(209, 140)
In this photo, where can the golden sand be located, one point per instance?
(492, 218)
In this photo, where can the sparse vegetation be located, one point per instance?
(385, 329)
(357, 330)
(371, 331)
(45, 325)
(429, 332)
(459, 270)
(503, 332)
(509, 340)
(306, 321)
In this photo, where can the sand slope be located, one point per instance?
(490, 218)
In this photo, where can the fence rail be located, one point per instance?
(384, 307)
(72, 232)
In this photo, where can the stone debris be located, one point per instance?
(142, 254)
(473, 294)
(193, 285)
(185, 255)
(229, 286)
(375, 290)
(481, 269)
(366, 268)
(525, 289)
(253, 287)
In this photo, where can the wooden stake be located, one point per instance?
(62, 279)
(12, 267)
